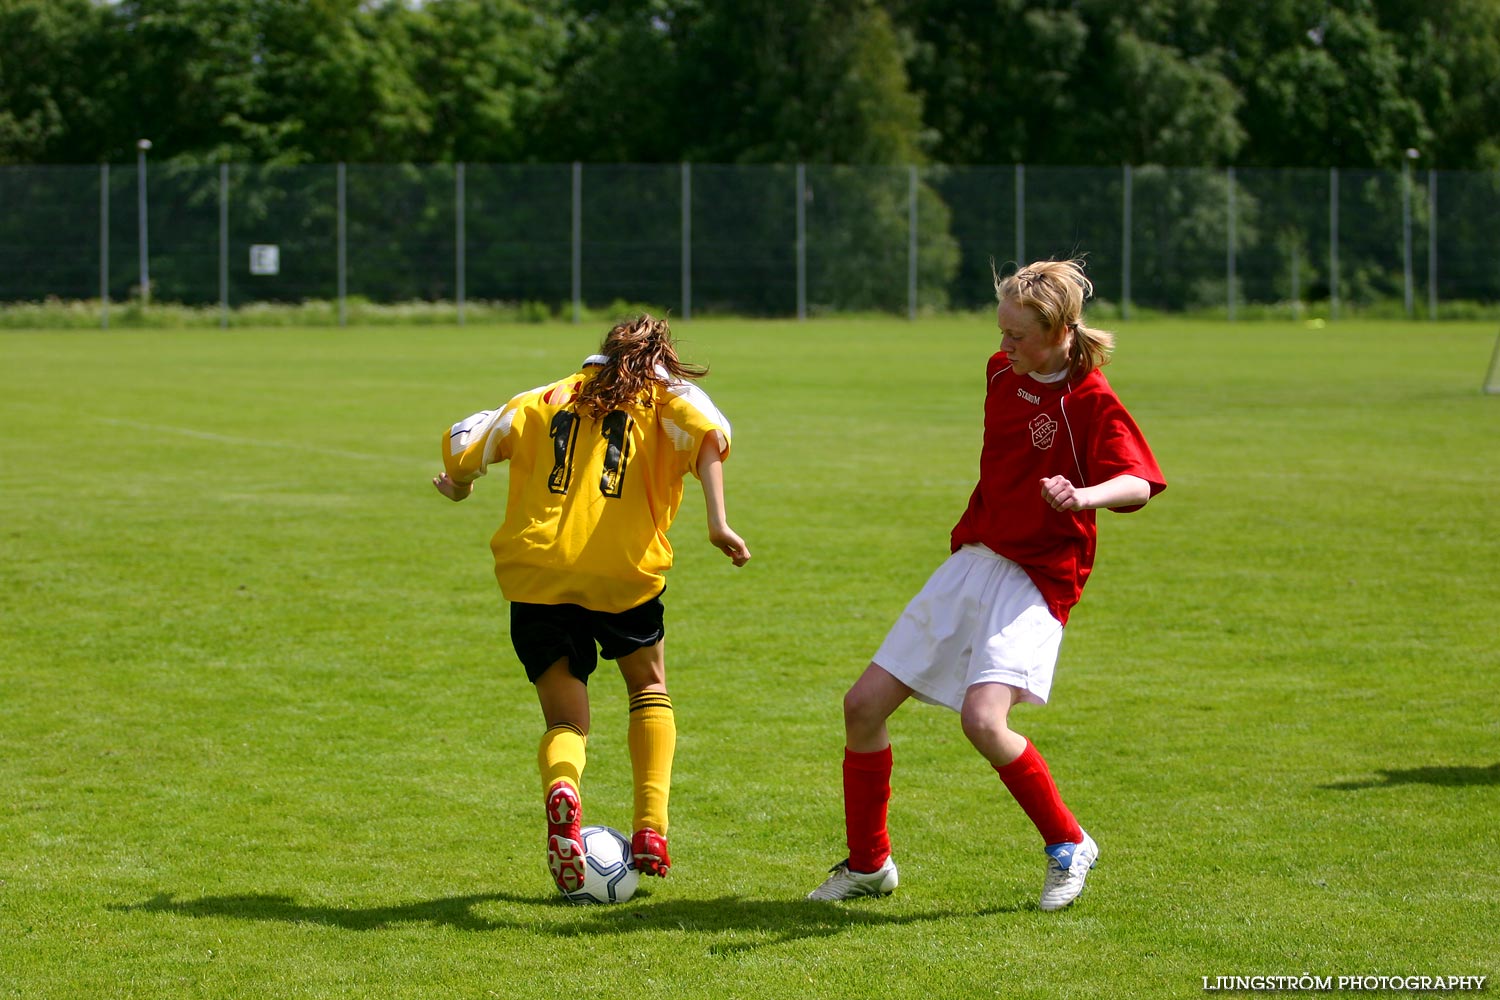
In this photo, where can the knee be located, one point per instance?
(641, 684)
(860, 711)
(643, 671)
(983, 728)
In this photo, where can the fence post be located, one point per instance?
(801, 241)
(1296, 281)
(1229, 251)
(1125, 245)
(104, 246)
(223, 245)
(1020, 215)
(343, 255)
(1333, 242)
(911, 242)
(1406, 279)
(1432, 252)
(460, 263)
(142, 229)
(577, 242)
(687, 241)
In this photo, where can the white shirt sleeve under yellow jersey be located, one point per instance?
(590, 499)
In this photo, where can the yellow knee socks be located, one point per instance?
(561, 756)
(653, 742)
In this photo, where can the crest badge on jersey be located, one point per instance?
(1043, 431)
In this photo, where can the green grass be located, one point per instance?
(262, 733)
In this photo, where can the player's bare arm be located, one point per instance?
(1121, 491)
(453, 491)
(711, 477)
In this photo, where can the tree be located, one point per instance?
(61, 82)
(1180, 111)
(994, 78)
(1450, 53)
(1088, 83)
(1323, 86)
(758, 82)
(336, 75)
(734, 81)
(814, 82)
(195, 78)
(483, 68)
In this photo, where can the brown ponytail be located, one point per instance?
(641, 355)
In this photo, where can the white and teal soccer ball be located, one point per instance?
(609, 874)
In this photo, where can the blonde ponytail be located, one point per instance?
(1056, 290)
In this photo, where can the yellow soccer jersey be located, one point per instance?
(590, 499)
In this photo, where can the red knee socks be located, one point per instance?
(1031, 784)
(867, 791)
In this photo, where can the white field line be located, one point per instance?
(1196, 478)
(263, 443)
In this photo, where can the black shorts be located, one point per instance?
(544, 633)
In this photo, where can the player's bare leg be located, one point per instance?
(986, 721)
(872, 699)
(1070, 851)
(869, 869)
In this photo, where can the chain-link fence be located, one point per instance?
(789, 240)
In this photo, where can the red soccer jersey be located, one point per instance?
(1033, 430)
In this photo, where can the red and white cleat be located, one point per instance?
(564, 841)
(649, 850)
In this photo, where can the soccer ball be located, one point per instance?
(609, 874)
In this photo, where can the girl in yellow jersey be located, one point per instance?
(597, 467)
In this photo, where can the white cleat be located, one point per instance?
(1067, 867)
(845, 884)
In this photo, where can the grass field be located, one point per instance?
(262, 733)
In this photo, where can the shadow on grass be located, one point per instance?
(1451, 777)
(745, 924)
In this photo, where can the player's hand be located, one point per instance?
(1060, 494)
(453, 491)
(732, 545)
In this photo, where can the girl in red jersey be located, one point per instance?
(983, 633)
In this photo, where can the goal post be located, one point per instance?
(1492, 377)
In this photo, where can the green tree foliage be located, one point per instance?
(280, 81)
(1085, 82)
(732, 81)
(483, 67)
(1323, 86)
(61, 81)
(338, 76)
(1154, 88)
(819, 81)
(1451, 51)
(1207, 82)
(858, 91)
(994, 78)
(756, 82)
(614, 93)
(196, 83)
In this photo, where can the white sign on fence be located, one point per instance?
(265, 258)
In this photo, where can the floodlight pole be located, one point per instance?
(141, 146)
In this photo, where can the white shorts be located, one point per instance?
(978, 620)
